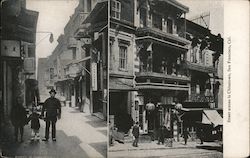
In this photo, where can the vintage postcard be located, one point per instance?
(124, 78)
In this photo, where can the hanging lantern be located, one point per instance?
(178, 106)
(51, 38)
(150, 106)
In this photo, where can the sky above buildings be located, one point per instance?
(54, 15)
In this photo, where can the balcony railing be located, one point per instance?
(200, 67)
(160, 75)
(201, 98)
(159, 33)
(174, 72)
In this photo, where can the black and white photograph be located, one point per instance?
(124, 78)
(54, 78)
(166, 78)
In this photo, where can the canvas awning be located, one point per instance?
(212, 117)
(98, 11)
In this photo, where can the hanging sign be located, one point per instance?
(94, 76)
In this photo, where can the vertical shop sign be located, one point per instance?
(94, 76)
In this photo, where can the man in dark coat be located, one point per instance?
(135, 133)
(18, 118)
(52, 106)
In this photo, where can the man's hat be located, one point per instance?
(52, 90)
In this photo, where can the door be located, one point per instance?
(143, 122)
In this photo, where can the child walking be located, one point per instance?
(35, 124)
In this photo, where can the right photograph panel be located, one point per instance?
(165, 78)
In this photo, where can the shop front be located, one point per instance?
(120, 102)
(157, 109)
(202, 122)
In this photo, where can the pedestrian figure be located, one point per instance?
(18, 118)
(52, 106)
(111, 128)
(135, 133)
(35, 124)
(162, 133)
(185, 135)
(201, 135)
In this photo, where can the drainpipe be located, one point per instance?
(185, 25)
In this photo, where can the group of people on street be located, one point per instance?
(162, 135)
(52, 108)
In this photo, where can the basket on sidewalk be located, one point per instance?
(168, 142)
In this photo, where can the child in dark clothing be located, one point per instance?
(162, 134)
(35, 124)
(136, 134)
(185, 135)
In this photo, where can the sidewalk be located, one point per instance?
(79, 135)
(178, 150)
(154, 146)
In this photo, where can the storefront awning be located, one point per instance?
(63, 80)
(98, 11)
(121, 84)
(212, 117)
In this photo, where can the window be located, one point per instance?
(88, 5)
(143, 17)
(74, 53)
(157, 21)
(116, 9)
(51, 73)
(170, 25)
(31, 51)
(123, 57)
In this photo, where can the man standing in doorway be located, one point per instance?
(52, 106)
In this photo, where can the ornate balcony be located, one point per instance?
(147, 34)
(156, 75)
(161, 81)
(201, 98)
(200, 67)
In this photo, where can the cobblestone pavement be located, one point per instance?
(78, 135)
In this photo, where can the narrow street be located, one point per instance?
(78, 135)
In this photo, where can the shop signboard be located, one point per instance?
(10, 48)
(94, 76)
(29, 65)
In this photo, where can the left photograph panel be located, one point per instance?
(54, 78)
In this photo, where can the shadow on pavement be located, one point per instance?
(101, 147)
(64, 147)
(207, 147)
(97, 124)
(104, 132)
